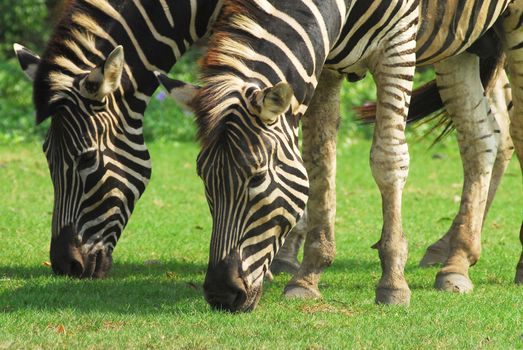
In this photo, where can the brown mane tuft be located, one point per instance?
(219, 78)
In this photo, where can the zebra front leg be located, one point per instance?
(500, 99)
(389, 160)
(393, 70)
(461, 90)
(287, 258)
(320, 126)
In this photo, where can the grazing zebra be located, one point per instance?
(97, 157)
(265, 60)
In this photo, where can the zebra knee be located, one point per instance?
(320, 252)
(390, 166)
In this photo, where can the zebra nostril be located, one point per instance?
(66, 256)
(76, 268)
(240, 299)
(224, 286)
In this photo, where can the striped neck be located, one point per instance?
(154, 35)
(245, 30)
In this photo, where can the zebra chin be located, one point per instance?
(70, 257)
(225, 287)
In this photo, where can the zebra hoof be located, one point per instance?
(453, 282)
(388, 296)
(433, 257)
(300, 292)
(281, 266)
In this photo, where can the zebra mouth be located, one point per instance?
(253, 298)
(241, 302)
(70, 258)
(225, 286)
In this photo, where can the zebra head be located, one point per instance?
(98, 162)
(255, 181)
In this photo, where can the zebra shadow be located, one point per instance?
(169, 287)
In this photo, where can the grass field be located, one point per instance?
(153, 297)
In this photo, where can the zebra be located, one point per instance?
(98, 161)
(259, 75)
(97, 157)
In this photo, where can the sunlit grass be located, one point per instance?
(153, 297)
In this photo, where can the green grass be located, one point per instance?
(164, 120)
(153, 297)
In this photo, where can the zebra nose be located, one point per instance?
(66, 258)
(223, 287)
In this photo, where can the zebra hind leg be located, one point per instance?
(500, 100)
(461, 90)
(320, 126)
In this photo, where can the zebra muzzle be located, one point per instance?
(66, 257)
(224, 287)
(69, 259)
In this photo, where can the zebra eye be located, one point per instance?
(87, 158)
(257, 180)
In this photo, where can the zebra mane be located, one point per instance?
(76, 31)
(221, 68)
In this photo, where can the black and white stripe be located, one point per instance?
(263, 43)
(97, 157)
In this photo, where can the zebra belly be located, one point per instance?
(446, 28)
(449, 27)
(366, 28)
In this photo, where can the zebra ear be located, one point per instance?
(273, 101)
(181, 92)
(104, 79)
(28, 60)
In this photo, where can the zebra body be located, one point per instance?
(437, 37)
(97, 157)
(256, 46)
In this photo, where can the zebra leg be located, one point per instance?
(287, 258)
(462, 93)
(389, 160)
(513, 42)
(393, 71)
(320, 126)
(500, 98)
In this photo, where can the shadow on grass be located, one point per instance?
(163, 287)
(119, 270)
(130, 289)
